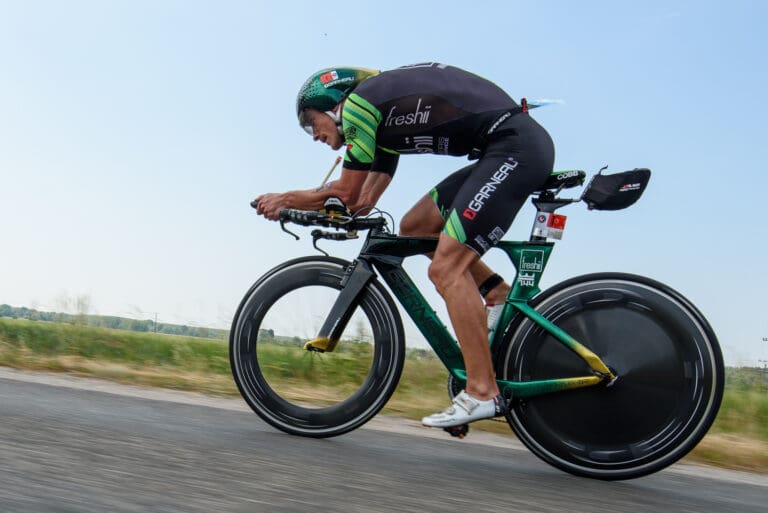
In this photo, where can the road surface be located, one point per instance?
(82, 445)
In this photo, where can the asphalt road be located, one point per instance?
(72, 445)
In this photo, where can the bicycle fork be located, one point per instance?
(354, 281)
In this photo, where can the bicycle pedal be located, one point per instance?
(458, 431)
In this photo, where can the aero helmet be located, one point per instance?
(326, 89)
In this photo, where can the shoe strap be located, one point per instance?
(466, 402)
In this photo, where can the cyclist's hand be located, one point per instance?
(271, 204)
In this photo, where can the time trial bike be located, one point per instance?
(608, 375)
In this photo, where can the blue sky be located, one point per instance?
(134, 133)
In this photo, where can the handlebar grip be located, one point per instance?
(255, 203)
(305, 217)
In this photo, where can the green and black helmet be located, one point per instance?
(327, 88)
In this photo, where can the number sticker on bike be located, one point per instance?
(549, 225)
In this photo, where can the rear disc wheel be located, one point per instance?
(669, 386)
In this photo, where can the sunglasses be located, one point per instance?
(306, 120)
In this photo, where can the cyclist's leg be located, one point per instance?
(450, 272)
(427, 218)
(481, 212)
(423, 219)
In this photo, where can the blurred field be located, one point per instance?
(738, 439)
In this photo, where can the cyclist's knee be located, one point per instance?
(441, 275)
(450, 263)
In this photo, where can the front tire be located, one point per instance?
(669, 367)
(309, 393)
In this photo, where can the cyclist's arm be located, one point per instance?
(347, 188)
(374, 186)
(360, 123)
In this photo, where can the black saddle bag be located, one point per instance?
(616, 191)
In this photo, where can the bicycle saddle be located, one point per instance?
(564, 179)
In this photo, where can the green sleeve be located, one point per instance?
(359, 121)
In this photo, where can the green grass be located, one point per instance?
(739, 437)
(185, 363)
(744, 412)
(19, 338)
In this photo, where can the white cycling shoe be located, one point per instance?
(465, 409)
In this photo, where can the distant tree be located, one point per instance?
(111, 322)
(136, 325)
(82, 306)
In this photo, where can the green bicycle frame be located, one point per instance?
(385, 253)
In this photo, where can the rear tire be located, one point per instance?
(667, 394)
(310, 393)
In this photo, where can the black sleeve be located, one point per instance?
(385, 162)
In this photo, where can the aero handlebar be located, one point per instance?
(331, 220)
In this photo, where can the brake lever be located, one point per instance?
(317, 235)
(255, 205)
(320, 234)
(286, 230)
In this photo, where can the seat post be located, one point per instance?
(546, 203)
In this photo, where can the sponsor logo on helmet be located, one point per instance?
(418, 117)
(329, 77)
(486, 190)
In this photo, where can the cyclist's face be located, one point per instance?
(323, 128)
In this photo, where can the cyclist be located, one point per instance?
(433, 108)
